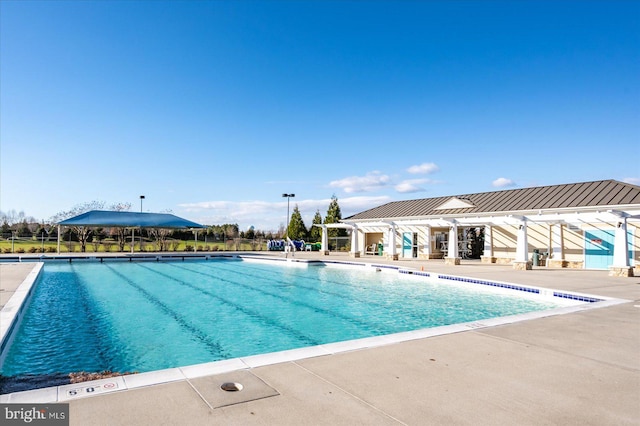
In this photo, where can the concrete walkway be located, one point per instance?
(576, 369)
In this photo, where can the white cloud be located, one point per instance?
(424, 168)
(411, 185)
(503, 183)
(369, 182)
(269, 216)
(632, 181)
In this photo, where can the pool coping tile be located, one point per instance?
(35, 396)
(210, 368)
(285, 356)
(90, 388)
(149, 378)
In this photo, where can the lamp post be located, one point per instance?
(141, 198)
(288, 196)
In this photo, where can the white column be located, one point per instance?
(620, 245)
(488, 241)
(391, 248)
(522, 247)
(59, 228)
(324, 242)
(452, 251)
(427, 246)
(557, 245)
(355, 252)
(133, 239)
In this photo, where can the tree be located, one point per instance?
(12, 217)
(250, 234)
(120, 232)
(334, 216)
(315, 233)
(23, 229)
(297, 230)
(160, 235)
(230, 230)
(6, 230)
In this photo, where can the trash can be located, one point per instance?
(536, 257)
(380, 249)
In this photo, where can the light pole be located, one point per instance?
(141, 198)
(288, 196)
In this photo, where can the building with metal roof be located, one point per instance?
(593, 225)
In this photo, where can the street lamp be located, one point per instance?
(288, 196)
(141, 198)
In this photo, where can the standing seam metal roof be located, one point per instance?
(585, 194)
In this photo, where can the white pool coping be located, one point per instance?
(65, 393)
(13, 311)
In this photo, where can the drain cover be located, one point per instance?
(231, 387)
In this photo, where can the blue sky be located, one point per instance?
(213, 109)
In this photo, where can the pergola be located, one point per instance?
(487, 220)
(116, 219)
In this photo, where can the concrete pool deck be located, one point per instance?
(579, 368)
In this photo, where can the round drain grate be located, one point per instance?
(231, 387)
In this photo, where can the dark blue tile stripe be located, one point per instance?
(490, 283)
(576, 297)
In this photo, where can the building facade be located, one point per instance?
(590, 225)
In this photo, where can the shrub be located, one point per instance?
(188, 247)
(7, 250)
(51, 249)
(19, 250)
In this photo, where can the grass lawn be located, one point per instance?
(34, 246)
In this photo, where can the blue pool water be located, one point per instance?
(143, 316)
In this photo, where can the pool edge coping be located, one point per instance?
(13, 311)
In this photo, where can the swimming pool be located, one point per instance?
(144, 316)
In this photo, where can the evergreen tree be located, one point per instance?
(297, 230)
(315, 233)
(334, 216)
(6, 229)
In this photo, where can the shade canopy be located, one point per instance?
(129, 219)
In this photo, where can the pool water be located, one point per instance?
(144, 316)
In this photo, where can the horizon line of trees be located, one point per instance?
(17, 224)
